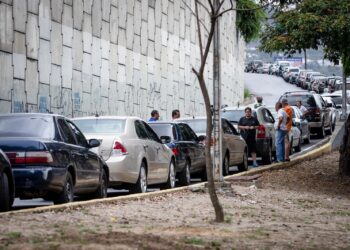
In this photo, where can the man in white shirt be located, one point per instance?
(281, 131)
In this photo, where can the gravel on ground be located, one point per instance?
(302, 207)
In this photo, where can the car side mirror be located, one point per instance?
(165, 139)
(93, 143)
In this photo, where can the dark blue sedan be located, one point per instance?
(187, 148)
(51, 158)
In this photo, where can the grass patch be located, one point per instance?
(14, 235)
(194, 241)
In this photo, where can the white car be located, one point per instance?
(132, 150)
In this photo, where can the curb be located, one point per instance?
(327, 148)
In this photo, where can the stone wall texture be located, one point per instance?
(111, 57)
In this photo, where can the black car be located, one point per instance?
(51, 158)
(7, 185)
(188, 151)
(318, 115)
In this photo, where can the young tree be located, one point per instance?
(251, 13)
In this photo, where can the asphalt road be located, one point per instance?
(269, 87)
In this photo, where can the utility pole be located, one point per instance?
(345, 98)
(217, 158)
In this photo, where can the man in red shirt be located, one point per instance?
(289, 111)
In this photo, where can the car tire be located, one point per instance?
(298, 147)
(141, 184)
(307, 140)
(321, 132)
(203, 175)
(185, 175)
(67, 194)
(4, 193)
(101, 191)
(244, 165)
(226, 165)
(171, 181)
(267, 158)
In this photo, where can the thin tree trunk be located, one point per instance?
(344, 161)
(305, 58)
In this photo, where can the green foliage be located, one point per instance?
(310, 24)
(249, 19)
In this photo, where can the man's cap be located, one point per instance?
(284, 101)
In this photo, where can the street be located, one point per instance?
(271, 87)
(268, 86)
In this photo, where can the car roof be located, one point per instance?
(107, 117)
(32, 114)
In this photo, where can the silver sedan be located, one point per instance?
(132, 150)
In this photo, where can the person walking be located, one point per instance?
(154, 116)
(281, 131)
(288, 109)
(247, 126)
(175, 114)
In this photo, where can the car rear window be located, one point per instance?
(199, 126)
(163, 129)
(233, 115)
(101, 126)
(306, 100)
(27, 126)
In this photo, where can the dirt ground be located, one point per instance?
(303, 207)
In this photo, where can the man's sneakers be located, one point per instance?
(255, 165)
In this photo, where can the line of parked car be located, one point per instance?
(55, 158)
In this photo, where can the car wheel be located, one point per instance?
(244, 165)
(321, 133)
(203, 175)
(67, 194)
(307, 140)
(226, 165)
(333, 126)
(4, 193)
(185, 175)
(141, 184)
(298, 147)
(267, 158)
(101, 192)
(171, 176)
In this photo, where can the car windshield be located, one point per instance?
(306, 100)
(199, 126)
(101, 126)
(233, 115)
(162, 129)
(27, 126)
(338, 100)
(294, 70)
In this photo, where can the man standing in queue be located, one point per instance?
(247, 126)
(287, 142)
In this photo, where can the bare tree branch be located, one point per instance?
(199, 30)
(211, 6)
(204, 7)
(189, 7)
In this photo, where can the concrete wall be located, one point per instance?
(120, 57)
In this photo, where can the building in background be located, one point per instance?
(116, 57)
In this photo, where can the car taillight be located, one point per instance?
(175, 151)
(317, 111)
(261, 132)
(31, 157)
(118, 148)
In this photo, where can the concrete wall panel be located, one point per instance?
(6, 27)
(67, 25)
(44, 61)
(45, 19)
(77, 14)
(18, 97)
(55, 86)
(6, 77)
(77, 49)
(56, 43)
(67, 67)
(20, 15)
(32, 81)
(19, 55)
(57, 9)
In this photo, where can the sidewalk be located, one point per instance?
(305, 206)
